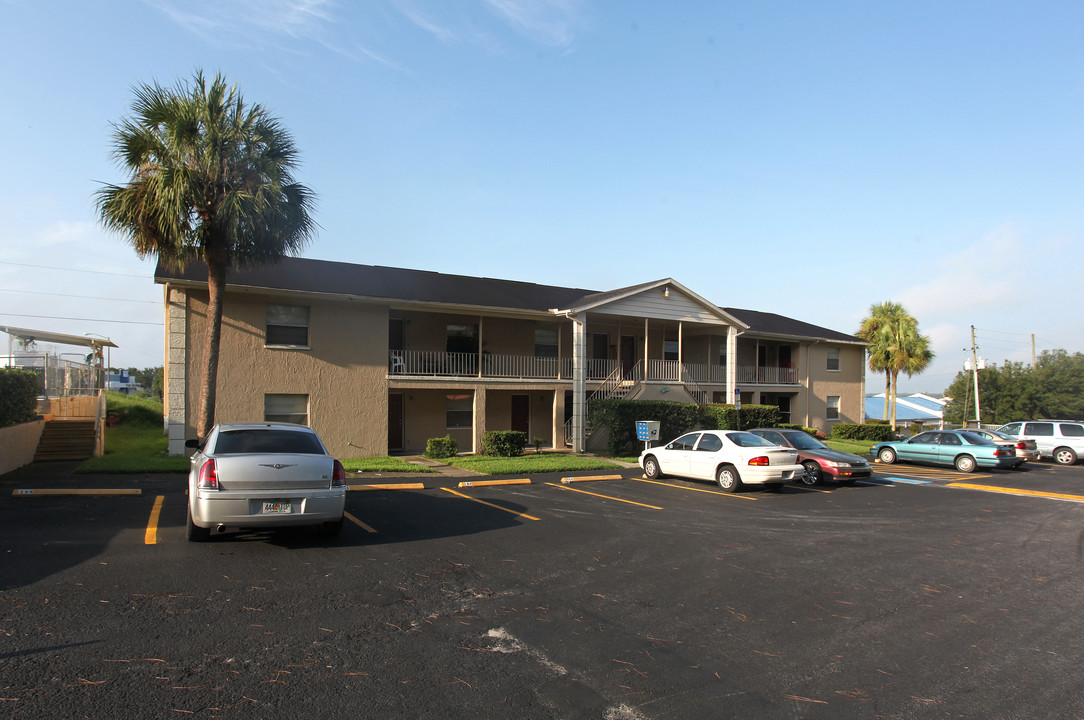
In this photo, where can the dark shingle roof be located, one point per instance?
(373, 281)
(388, 283)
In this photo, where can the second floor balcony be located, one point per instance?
(425, 363)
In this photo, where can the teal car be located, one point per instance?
(960, 449)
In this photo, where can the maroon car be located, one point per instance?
(820, 461)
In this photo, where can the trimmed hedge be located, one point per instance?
(869, 431)
(18, 396)
(439, 448)
(675, 418)
(504, 443)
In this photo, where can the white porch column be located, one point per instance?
(731, 362)
(558, 418)
(579, 381)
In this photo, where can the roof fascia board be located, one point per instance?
(753, 334)
(640, 289)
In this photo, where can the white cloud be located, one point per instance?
(550, 22)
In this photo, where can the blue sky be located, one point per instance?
(809, 159)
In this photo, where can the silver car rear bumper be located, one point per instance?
(245, 509)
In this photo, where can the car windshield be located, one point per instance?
(744, 439)
(267, 440)
(804, 441)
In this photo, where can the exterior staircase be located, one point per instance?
(66, 440)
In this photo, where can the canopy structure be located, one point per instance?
(55, 337)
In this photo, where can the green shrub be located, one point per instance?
(751, 416)
(620, 417)
(438, 448)
(868, 431)
(811, 431)
(18, 396)
(504, 443)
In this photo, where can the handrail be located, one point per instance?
(699, 394)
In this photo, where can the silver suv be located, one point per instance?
(1061, 440)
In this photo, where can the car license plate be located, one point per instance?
(279, 506)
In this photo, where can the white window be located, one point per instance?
(287, 325)
(832, 410)
(833, 359)
(286, 408)
(669, 349)
(460, 411)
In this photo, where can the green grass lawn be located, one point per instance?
(137, 443)
(858, 447)
(382, 464)
(531, 463)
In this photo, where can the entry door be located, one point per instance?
(395, 422)
(628, 353)
(521, 414)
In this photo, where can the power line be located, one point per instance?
(81, 297)
(56, 317)
(93, 272)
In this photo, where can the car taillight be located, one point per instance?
(338, 475)
(208, 476)
(1002, 453)
(1021, 445)
(760, 460)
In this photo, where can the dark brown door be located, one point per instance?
(521, 414)
(628, 353)
(395, 422)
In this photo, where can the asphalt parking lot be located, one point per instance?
(924, 593)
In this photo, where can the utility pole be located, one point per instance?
(1033, 350)
(975, 371)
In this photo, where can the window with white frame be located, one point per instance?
(287, 325)
(286, 408)
(832, 408)
(833, 359)
(460, 411)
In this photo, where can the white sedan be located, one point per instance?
(729, 457)
(263, 475)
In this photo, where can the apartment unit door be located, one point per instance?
(521, 414)
(395, 422)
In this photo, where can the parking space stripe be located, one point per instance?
(607, 497)
(359, 523)
(1017, 491)
(909, 481)
(682, 487)
(150, 537)
(492, 505)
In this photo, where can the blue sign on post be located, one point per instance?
(647, 430)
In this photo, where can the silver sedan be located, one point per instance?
(263, 475)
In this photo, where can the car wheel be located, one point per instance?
(965, 463)
(728, 478)
(887, 456)
(194, 532)
(1064, 456)
(811, 474)
(651, 467)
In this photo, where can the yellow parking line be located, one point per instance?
(486, 483)
(151, 536)
(388, 486)
(1017, 491)
(26, 492)
(585, 492)
(359, 523)
(468, 497)
(682, 487)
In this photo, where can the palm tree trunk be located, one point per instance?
(888, 393)
(216, 285)
(894, 378)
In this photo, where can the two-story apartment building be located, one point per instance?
(378, 360)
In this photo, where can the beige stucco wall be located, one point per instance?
(846, 383)
(343, 371)
(18, 443)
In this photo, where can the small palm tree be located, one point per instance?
(210, 180)
(895, 346)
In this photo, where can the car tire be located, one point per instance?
(965, 463)
(1065, 456)
(194, 532)
(887, 456)
(727, 478)
(651, 467)
(811, 474)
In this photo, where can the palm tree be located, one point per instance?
(211, 181)
(895, 346)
